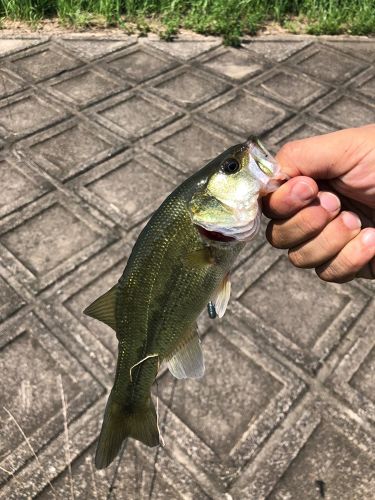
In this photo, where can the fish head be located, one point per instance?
(228, 202)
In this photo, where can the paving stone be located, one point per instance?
(86, 87)
(296, 128)
(290, 88)
(347, 110)
(235, 64)
(10, 45)
(189, 88)
(323, 445)
(328, 65)
(353, 378)
(10, 301)
(364, 49)
(363, 379)
(176, 141)
(307, 298)
(365, 83)
(17, 114)
(122, 187)
(139, 64)
(35, 240)
(70, 148)
(37, 371)
(41, 245)
(243, 113)
(18, 186)
(10, 83)
(134, 115)
(331, 463)
(185, 49)
(41, 64)
(317, 316)
(276, 50)
(92, 48)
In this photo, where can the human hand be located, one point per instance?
(325, 214)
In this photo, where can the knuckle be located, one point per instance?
(310, 223)
(297, 258)
(326, 274)
(340, 270)
(276, 236)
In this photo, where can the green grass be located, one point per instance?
(228, 18)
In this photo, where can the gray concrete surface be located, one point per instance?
(94, 132)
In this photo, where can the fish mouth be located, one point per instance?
(214, 235)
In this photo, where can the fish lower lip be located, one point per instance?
(214, 235)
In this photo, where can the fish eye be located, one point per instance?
(230, 166)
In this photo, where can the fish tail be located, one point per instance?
(120, 423)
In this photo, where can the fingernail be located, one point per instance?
(368, 237)
(329, 201)
(302, 191)
(351, 221)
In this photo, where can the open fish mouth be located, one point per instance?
(214, 235)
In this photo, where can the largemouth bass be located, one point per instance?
(180, 263)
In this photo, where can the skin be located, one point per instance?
(325, 214)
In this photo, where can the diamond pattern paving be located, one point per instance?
(315, 62)
(139, 64)
(235, 64)
(292, 89)
(128, 117)
(95, 131)
(86, 87)
(190, 89)
(17, 115)
(245, 112)
(70, 148)
(353, 471)
(40, 244)
(41, 64)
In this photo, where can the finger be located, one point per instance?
(290, 197)
(327, 156)
(355, 259)
(305, 224)
(328, 243)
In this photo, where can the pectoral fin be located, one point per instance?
(104, 308)
(200, 258)
(187, 360)
(222, 296)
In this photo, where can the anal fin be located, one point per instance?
(104, 308)
(187, 360)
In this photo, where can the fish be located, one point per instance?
(180, 263)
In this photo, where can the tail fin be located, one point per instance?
(140, 424)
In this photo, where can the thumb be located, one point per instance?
(327, 156)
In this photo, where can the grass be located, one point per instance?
(228, 18)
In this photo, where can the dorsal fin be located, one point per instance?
(187, 360)
(104, 308)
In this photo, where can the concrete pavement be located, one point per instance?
(94, 133)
